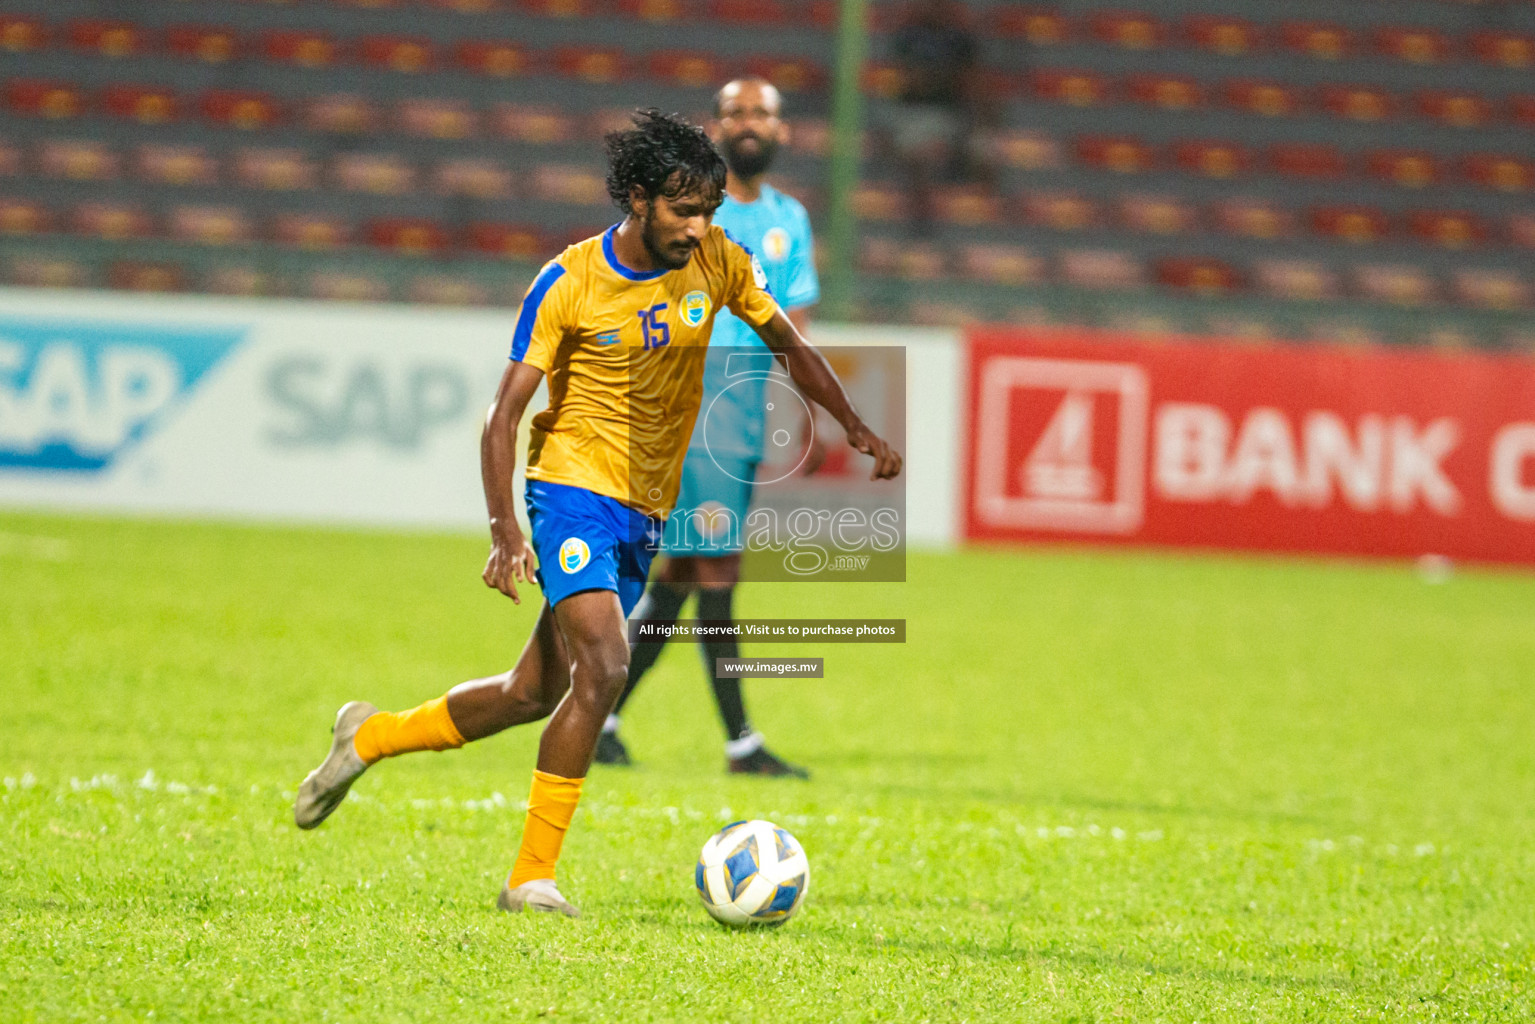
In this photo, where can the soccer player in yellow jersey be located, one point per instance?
(617, 324)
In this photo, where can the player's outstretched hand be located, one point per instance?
(511, 560)
(887, 461)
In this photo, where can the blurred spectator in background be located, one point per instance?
(934, 124)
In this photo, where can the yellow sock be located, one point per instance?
(428, 727)
(550, 807)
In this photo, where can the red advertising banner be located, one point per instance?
(1091, 436)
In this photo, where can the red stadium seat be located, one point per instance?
(176, 164)
(1396, 284)
(146, 276)
(1117, 154)
(1504, 49)
(41, 98)
(1253, 218)
(685, 68)
(1270, 99)
(810, 135)
(1456, 109)
(473, 178)
(1028, 150)
(577, 184)
(438, 119)
(881, 79)
(78, 160)
(879, 201)
(1449, 229)
(1167, 92)
(24, 217)
(749, 12)
(1360, 225)
(1415, 45)
(240, 109)
(468, 6)
(202, 42)
(1318, 39)
(1408, 168)
(1213, 159)
(911, 261)
(1358, 102)
(303, 49)
(498, 58)
(47, 272)
(278, 170)
(1490, 289)
(22, 34)
(1077, 88)
(597, 65)
(210, 225)
(146, 104)
(1229, 37)
(406, 55)
(248, 282)
(314, 231)
(1198, 274)
(365, 4)
(1157, 215)
(538, 125)
(110, 220)
(384, 174)
(661, 11)
(447, 290)
(1296, 279)
(1131, 30)
(411, 236)
(342, 114)
(1102, 268)
(1521, 230)
(1521, 110)
(789, 74)
(968, 205)
(1037, 26)
(561, 8)
(507, 241)
(346, 286)
(108, 38)
(1503, 173)
(1059, 211)
(1000, 264)
(1301, 160)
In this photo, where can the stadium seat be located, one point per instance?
(1490, 289)
(606, 119)
(1504, 49)
(1359, 225)
(404, 54)
(560, 8)
(1077, 88)
(1229, 37)
(446, 290)
(578, 184)
(1269, 99)
(1130, 30)
(473, 178)
(146, 104)
(1059, 211)
(596, 65)
(660, 10)
(1358, 102)
(1503, 173)
(1253, 218)
(1101, 268)
(879, 201)
(468, 6)
(278, 170)
(1200, 275)
(497, 58)
(1117, 154)
(240, 108)
(48, 272)
(1449, 229)
(341, 114)
(1456, 109)
(1521, 230)
(1157, 215)
(689, 69)
(1304, 160)
(507, 241)
(1167, 92)
(78, 160)
(24, 217)
(210, 225)
(1415, 45)
(1407, 168)
(1295, 279)
(1027, 150)
(811, 136)
(437, 118)
(176, 164)
(1037, 26)
(108, 38)
(968, 205)
(19, 34)
(535, 124)
(110, 220)
(302, 49)
(1317, 39)
(146, 276)
(384, 174)
(410, 236)
(311, 231)
(1000, 264)
(1521, 110)
(880, 79)
(249, 282)
(749, 12)
(45, 98)
(1213, 159)
(789, 74)
(1397, 284)
(206, 43)
(346, 286)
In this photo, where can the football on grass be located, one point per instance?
(752, 873)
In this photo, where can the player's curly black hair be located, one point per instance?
(664, 155)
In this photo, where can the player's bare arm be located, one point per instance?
(511, 556)
(814, 376)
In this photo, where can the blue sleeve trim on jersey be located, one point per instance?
(527, 315)
(623, 271)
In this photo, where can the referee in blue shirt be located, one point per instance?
(749, 130)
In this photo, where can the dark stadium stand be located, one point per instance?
(1303, 161)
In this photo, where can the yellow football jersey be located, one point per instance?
(624, 354)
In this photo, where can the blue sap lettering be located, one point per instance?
(290, 385)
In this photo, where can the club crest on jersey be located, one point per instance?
(775, 245)
(574, 554)
(694, 308)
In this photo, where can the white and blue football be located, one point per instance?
(752, 873)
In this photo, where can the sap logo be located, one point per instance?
(326, 403)
(74, 396)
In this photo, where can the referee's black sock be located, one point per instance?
(715, 605)
(660, 605)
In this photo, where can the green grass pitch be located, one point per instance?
(1092, 786)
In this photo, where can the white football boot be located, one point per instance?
(538, 895)
(324, 788)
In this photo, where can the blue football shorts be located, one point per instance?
(710, 517)
(589, 541)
